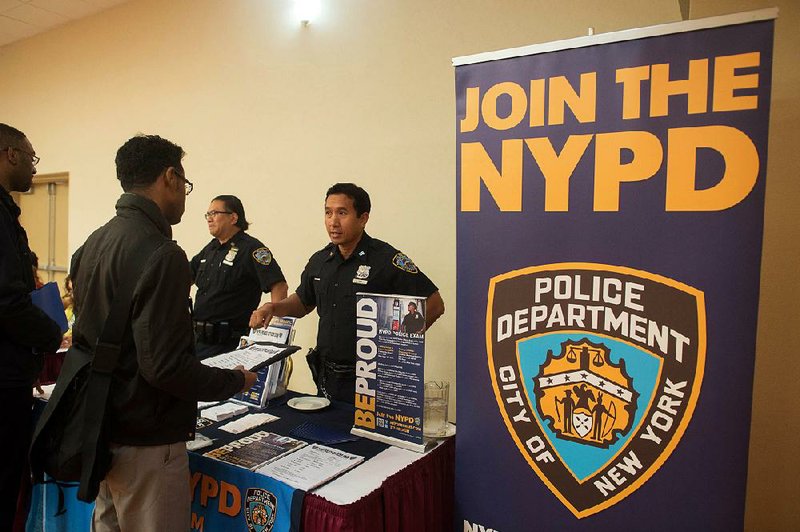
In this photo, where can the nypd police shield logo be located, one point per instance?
(596, 370)
(259, 510)
(401, 261)
(262, 256)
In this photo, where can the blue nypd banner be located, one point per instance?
(609, 230)
(224, 497)
(227, 497)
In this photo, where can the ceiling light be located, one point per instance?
(307, 10)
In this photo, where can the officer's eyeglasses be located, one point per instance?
(34, 159)
(211, 214)
(188, 185)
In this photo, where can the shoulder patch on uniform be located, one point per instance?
(262, 256)
(402, 262)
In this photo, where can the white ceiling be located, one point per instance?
(22, 18)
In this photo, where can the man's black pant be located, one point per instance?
(215, 338)
(204, 350)
(15, 437)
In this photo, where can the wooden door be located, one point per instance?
(45, 219)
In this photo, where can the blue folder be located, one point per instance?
(325, 434)
(48, 299)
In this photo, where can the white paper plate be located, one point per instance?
(308, 402)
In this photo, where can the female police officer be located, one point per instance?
(230, 272)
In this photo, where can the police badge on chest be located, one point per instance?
(229, 258)
(362, 274)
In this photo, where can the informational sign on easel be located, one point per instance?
(390, 349)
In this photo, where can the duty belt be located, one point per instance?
(216, 332)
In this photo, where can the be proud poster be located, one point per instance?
(390, 369)
(610, 214)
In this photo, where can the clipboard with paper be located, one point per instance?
(253, 357)
(274, 373)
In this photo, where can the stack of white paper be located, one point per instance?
(199, 442)
(247, 422)
(311, 466)
(223, 411)
(47, 391)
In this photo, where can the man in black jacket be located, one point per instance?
(153, 401)
(25, 331)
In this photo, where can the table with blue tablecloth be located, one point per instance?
(392, 490)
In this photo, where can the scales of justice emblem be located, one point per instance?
(584, 396)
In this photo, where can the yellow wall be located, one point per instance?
(275, 113)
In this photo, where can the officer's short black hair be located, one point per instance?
(356, 193)
(142, 159)
(10, 136)
(234, 204)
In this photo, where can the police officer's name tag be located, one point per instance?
(362, 274)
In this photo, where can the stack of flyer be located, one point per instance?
(279, 331)
(255, 450)
(311, 466)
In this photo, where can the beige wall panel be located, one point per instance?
(275, 113)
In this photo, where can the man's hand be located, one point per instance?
(261, 316)
(249, 378)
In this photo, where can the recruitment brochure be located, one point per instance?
(311, 466)
(245, 423)
(390, 349)
(255, 450)
(271, 382)
(279, 331)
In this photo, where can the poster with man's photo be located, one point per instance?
(390, 350)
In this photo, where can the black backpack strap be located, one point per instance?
(106, 358)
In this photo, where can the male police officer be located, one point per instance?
(152, 407)
(352, 262)
(230, 273)
(25, 331)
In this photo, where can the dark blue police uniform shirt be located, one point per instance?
(230, 278)
(328, 283)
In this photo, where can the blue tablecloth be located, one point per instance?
(224, 497)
